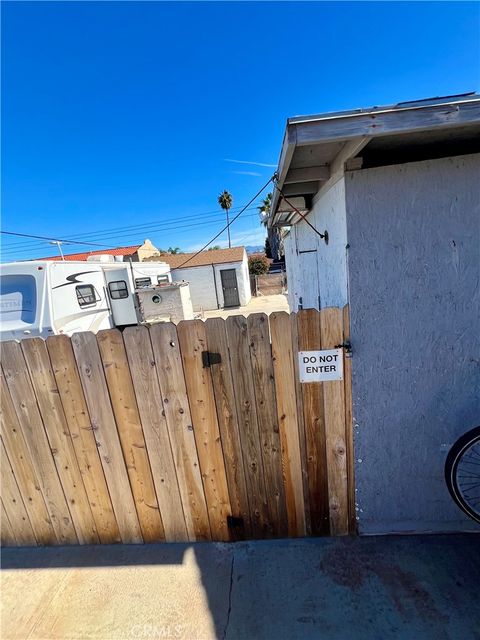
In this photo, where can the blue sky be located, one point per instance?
(117, 115)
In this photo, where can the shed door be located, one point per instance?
(230, 288)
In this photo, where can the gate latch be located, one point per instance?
(345, 345)
(209, 358)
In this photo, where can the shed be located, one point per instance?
(394, 193)
(218, 278)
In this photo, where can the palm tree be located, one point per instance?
(225, 200)
(174, 250)
(273, 234)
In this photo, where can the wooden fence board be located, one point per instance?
(83, 437)
(301, 423)
(198, 432)
(198, 379)
(25, 474)
(95, 389)
(124, 405)
(263, 381)
(308, 326)
(7, 536)
(229, 428)
(347, 364)
(247, 418)
(334, 404)
(23, 397)
(152, 414)
(284, 371)
(13, 503)
(51, 410)
(177, 412)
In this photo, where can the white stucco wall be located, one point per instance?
(202, 283)
(316, 272)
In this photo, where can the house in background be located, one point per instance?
(218, 278)
(135, 253)
(395, 191)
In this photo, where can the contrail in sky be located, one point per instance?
(258, 164)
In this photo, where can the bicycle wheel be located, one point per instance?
(462, 473)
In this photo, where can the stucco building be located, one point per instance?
(394, 196)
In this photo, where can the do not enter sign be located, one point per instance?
(320, 366)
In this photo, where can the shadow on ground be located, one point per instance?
(411, 587)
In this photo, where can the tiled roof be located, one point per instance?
(216, 256)
(118, 251)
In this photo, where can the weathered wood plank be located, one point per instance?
(284, 371)
(152, 415)
(124, 405)
(265, 399)
(51, 410)
(347, 373)
(7, 536)
(229, 428)
(23, 469)
(25, 405)
(247, 419)
(95, 389)
(13, 503)
(198, 380)
(308, 327)
(83, 437)
(301, 423)
(177, 412)
(331, 321)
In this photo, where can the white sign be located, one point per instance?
(320, 366)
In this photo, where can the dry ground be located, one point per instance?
(260, 304)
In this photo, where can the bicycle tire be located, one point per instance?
(459, 484)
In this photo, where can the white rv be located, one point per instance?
(43, 298)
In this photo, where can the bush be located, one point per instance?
(258, 265)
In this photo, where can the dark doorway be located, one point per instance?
(230, 288)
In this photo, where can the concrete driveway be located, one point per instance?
(260, 304)
(412, 588)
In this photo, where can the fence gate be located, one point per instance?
(201, 431)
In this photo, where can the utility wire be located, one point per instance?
(146, 226)
(324, 236)
(29, 235)
(227, 226)
(10, 250)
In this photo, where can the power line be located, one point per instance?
(29, 235)
(227, 225)
(146, 226)
(8, 251)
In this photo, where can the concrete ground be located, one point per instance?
(260, 304)
(409, 587)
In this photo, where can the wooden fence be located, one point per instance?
(199, 431)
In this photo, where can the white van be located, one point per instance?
(44, 297)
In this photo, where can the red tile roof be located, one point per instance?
(216, 256)
(80, 257)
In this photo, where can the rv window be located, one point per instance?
(161, 279)
(118, 289)
(85, 295)
(143, 282)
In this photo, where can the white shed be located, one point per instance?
(218, 278)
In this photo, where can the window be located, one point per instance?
(143, 282)
(85, 295)
(118, 289)
(163, 278)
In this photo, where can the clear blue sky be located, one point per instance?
(121, 114)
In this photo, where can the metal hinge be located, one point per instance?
(209, 358)
(345, 345)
